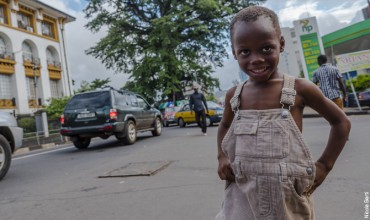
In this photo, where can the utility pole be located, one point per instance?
(34, 67)
(42, 116)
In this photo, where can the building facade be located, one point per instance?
(33, 66)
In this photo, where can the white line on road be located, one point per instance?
(37, 154)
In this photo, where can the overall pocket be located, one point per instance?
(263, 139)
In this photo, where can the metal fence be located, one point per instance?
(34, 137)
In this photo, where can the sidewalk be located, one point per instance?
(310, 113)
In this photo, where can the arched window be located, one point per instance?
(2, 46)
(49, 56)
(27, 51)
(5, 79)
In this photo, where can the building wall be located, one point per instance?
(46, 62)
(288, 58)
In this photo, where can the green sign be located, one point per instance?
(311, 50)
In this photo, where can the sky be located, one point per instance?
(331, 15)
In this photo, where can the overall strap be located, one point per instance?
(288, 92)
(235, 100)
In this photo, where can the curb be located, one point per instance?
(23, 150)
(316, 115)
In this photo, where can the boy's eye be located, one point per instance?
(244, 52)
(266, 50)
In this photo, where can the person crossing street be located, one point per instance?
(198, 104)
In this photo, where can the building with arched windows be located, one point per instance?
(33, 66)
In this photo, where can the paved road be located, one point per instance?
(63, 183)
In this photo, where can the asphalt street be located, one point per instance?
(63, 183)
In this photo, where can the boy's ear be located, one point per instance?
(282, 43)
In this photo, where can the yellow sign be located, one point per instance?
(311, 49)
(353, 61)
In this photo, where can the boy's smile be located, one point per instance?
(257, 45)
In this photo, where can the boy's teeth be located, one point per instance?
(259, 70)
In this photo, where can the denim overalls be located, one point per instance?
(273, 166)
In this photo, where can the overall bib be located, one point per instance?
(273, 166)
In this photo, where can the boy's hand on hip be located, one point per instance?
(225, 171)
(321, 173)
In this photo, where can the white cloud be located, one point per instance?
(82, 66)
(60, 5)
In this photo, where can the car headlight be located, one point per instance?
(220, 112)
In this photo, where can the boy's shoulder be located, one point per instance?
(304, 87)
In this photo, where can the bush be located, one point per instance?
(28, 124)
(56, 107)
(361, 82)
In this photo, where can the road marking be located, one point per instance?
(37, 154)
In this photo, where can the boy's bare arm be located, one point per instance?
(339, 131)
(224, 168)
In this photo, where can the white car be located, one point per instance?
(11, 137)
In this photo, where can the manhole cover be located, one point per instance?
(138, 169)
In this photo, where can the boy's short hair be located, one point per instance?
(252, 13)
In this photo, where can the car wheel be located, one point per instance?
(130, 136)
(82, 143)
(157, 127)
(208, 121)
(181, 122)
(5, 156)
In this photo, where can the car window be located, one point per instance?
(213, 105)
(171, 109)
(133, 100)
(142, 104)
(90, 100)
(186, 107)
(120, 99)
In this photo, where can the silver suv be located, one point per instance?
(11, 137)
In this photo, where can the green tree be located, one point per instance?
(164, 44)
(85, 86)
(360, 83)
(56, 107)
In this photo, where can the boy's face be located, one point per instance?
(257, 46)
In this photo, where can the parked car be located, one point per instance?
(351, 101)
(11, 137)
(214, 115)
(169, 116)
(108, 112)
(364, 97)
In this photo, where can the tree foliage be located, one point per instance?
(85, 86)
(163, 44)
(56, 107)
(360, 83)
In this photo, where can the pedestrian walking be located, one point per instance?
(268, 168)
(198, 104)
(330, 81)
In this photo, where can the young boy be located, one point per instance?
(268, 168)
